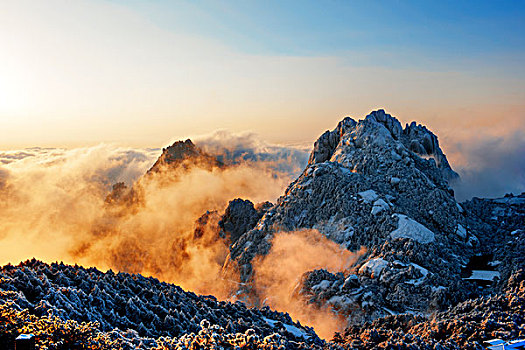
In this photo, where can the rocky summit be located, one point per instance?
(375, 184)
(180, 152)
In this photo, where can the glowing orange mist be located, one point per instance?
(55, 208)
(278, 273)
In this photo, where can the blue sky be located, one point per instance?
(436, 31)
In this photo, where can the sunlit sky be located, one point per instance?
(144, 73)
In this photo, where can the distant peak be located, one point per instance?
(180, 151)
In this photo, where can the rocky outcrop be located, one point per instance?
(499, 226)
(372, 183)
(174, 161)
(239, 217)
(424, 143)
(464, 326)
(415, 137)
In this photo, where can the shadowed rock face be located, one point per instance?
(239, 217)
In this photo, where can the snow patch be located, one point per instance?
(511, 200)
(409, 228)
(461, 231)
(390, 311)
(339, 231)
(424, 273)
(323, 285)
(297, 332)
(395, 180)
(373, 267)
(484, 275)
(368, 196)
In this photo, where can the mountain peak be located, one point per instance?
(379, 131)
(371, 183)
(391, 123)
(182, 151)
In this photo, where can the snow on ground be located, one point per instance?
(323, 285)
(461, 231)
(511, 200)
(374, 267)
(289, 328)
(424, 273)
(483, 275)
(340, 231)
(379, 206)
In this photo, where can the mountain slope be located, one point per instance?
(464, 326)
(118, 302)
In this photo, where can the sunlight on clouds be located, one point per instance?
(54, 205)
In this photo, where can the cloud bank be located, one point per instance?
(235, 148)
(489, 166)
(54, 206)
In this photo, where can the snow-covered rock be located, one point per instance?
(379, 206)
(340, 231)
(461, 231)
(411, 229)
(373, 267)
(149, 308)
